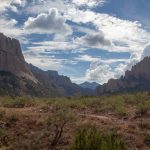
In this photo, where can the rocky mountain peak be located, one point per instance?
(12, 59)
(140, 71)
(138, 79)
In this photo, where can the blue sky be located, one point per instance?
(87, 40)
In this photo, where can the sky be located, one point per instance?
(87, 40)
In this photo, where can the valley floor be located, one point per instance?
(31, 124)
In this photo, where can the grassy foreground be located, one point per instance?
(116, 122)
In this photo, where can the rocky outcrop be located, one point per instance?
(138, 79)
(11, 58)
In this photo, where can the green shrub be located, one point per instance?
(143, 107)
(147, 139)
(115, 104)
(3, 137)
(92, 139)
(57, 121)
(18, 102)
(11, 120)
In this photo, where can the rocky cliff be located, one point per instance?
(19, 78)
(138, 79)
(11, 58)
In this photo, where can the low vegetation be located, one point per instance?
(147, 139)
(58, 121)
(67, 123)
(92, 139)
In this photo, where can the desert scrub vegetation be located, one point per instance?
(17, 102)
(58, 121)
(3, 138)
(147, 139)
(93, 139)
(121, 105)
(12, 118)
(115, 104)
(143, 107)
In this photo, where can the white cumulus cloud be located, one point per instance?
(101, 70)
(49, 23)
(9, 28)
(4, 4)
(126, 35)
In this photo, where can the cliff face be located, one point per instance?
(138, 79)
(19, 78)
(11, 58)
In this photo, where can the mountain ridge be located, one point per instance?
(20, 78)
(136, 80)
(89, 85)
(63, 83)
(12, 59)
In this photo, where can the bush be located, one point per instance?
(92, 139)
(11, 120)
(115, 104)
(147, 139)
(60, 118)
(18, 102)
(143, 107)
(3, 137)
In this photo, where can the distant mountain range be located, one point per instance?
(19, 78)
(89, 85)
(62, 84)
(138, 79)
